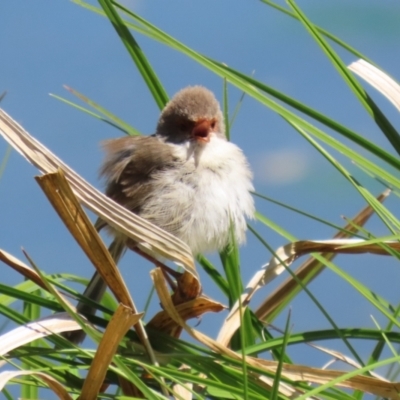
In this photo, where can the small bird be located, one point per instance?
(186, 178)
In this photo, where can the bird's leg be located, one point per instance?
(186, 286)
(167, 271)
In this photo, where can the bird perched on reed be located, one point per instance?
(186, 178)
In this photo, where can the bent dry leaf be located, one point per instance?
(71, 213)
(22, 268)
(286, 255)
(183, 392)
(191, 309)
(152, 238)
(378, 79)
(292, 372)
(68, 208)
(55, 324)
(119, 324)
(54, 385)
(310, 269)
(376, 114)
(338, 356)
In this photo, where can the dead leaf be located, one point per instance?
(122, 320)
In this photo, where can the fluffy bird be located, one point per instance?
(186, 178)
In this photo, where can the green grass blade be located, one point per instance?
(10, 294)
(307, 291)
(306, 214)
(231, 263)
(214, 274)
(127, 373)
(348, 375)
(31, 312)
(249, 86)
(377, 351)
(278, 374)
(92, 114)
(324, 119)
(225, 108)
(237, 109)
(390, 132)
(386, 217)
(110, 117)
(225, 72)
(367, 334)
(321, 31)
(134, 50)
(7, 394)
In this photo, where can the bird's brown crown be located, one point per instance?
(189, 106)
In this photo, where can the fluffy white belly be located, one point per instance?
(197, 201)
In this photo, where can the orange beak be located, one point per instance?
(202, 129)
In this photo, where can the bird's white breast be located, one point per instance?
(201, 198)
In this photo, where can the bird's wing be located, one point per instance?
(130, 166)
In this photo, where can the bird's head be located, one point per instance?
(193, 114)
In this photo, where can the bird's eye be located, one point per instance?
(213, 123)
(183, 126)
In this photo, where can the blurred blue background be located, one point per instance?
(45, 45)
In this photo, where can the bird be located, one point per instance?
(186, 178)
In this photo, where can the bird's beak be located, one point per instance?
(202, 130)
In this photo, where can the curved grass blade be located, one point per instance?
(387, 128)
(323, 335)
(325, 120)
(321, 31)
(92, 114)
(140, 60)
(306, 214)
(379, 80)
(308, 292)
(249, 86)
(111, 118)
(384, 214)
(309, 270)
